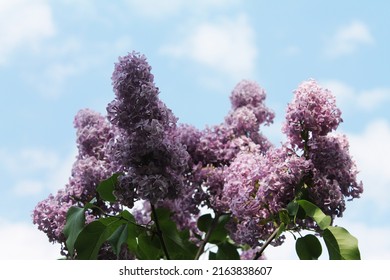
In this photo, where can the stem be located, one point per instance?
(214, 223)
(267, 242)
(159, 232)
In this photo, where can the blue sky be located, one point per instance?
(56, 57)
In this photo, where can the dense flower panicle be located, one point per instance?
(214, 148)
(136, 95)
(90, 168)
(282, 173)
(241, 185)
(250, 95)
(93, 134)
(258, 186)
(335, 174)
(152, 160)
(87, 173)
(50, 215)
(247, 93)
(313, 112)
(243, 120)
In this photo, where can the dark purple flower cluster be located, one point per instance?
(151, 160)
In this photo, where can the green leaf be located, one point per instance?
(219, 233)
(90, 240)
(177, 242)
(75, 220)
(212, 256)
(204, 222)
(292, 208)
(90, 205)
(107, 187)
(92, 237)
(227, 251)
(341, 244)
(308, 247)
(314, 212)
(284, 217)
(149, 247)
(118, 238)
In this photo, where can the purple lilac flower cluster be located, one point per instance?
(258, 185)
(230, 168)
(151, 160)
(310, 119)
(90, 168)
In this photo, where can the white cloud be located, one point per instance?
(22, 241)
(349, 97)
(35, 170)
(60, 176)
(371, 150)
(227, 46)
(23, 23)
(28, 187)
(50, 83)
(30, 160)
(156, 9)
(349, 38)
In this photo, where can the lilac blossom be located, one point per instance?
(313, 112)
(50, 215)
(151, 160)
(334, 175)
(250, 95)
(257, 187)
(90, 168)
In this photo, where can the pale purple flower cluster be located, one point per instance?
(50, 215)
(313, 112)
(151, 160)
(310, 118)
(257, 187)
(90, 168)
(312, 164)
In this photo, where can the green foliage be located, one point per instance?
(341, 244)
(308, 247)
(106, 188)
(90, 239)
(152, 243)
(177, 242)
(314, 212)
(227, 251)
(219, 233)
(75, 220)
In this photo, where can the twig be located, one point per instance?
(159, 232)
(267, 242)
(214, 223)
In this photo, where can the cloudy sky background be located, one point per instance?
(56, 57)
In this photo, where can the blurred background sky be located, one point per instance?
(57, 56)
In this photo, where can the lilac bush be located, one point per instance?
(140, 174)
